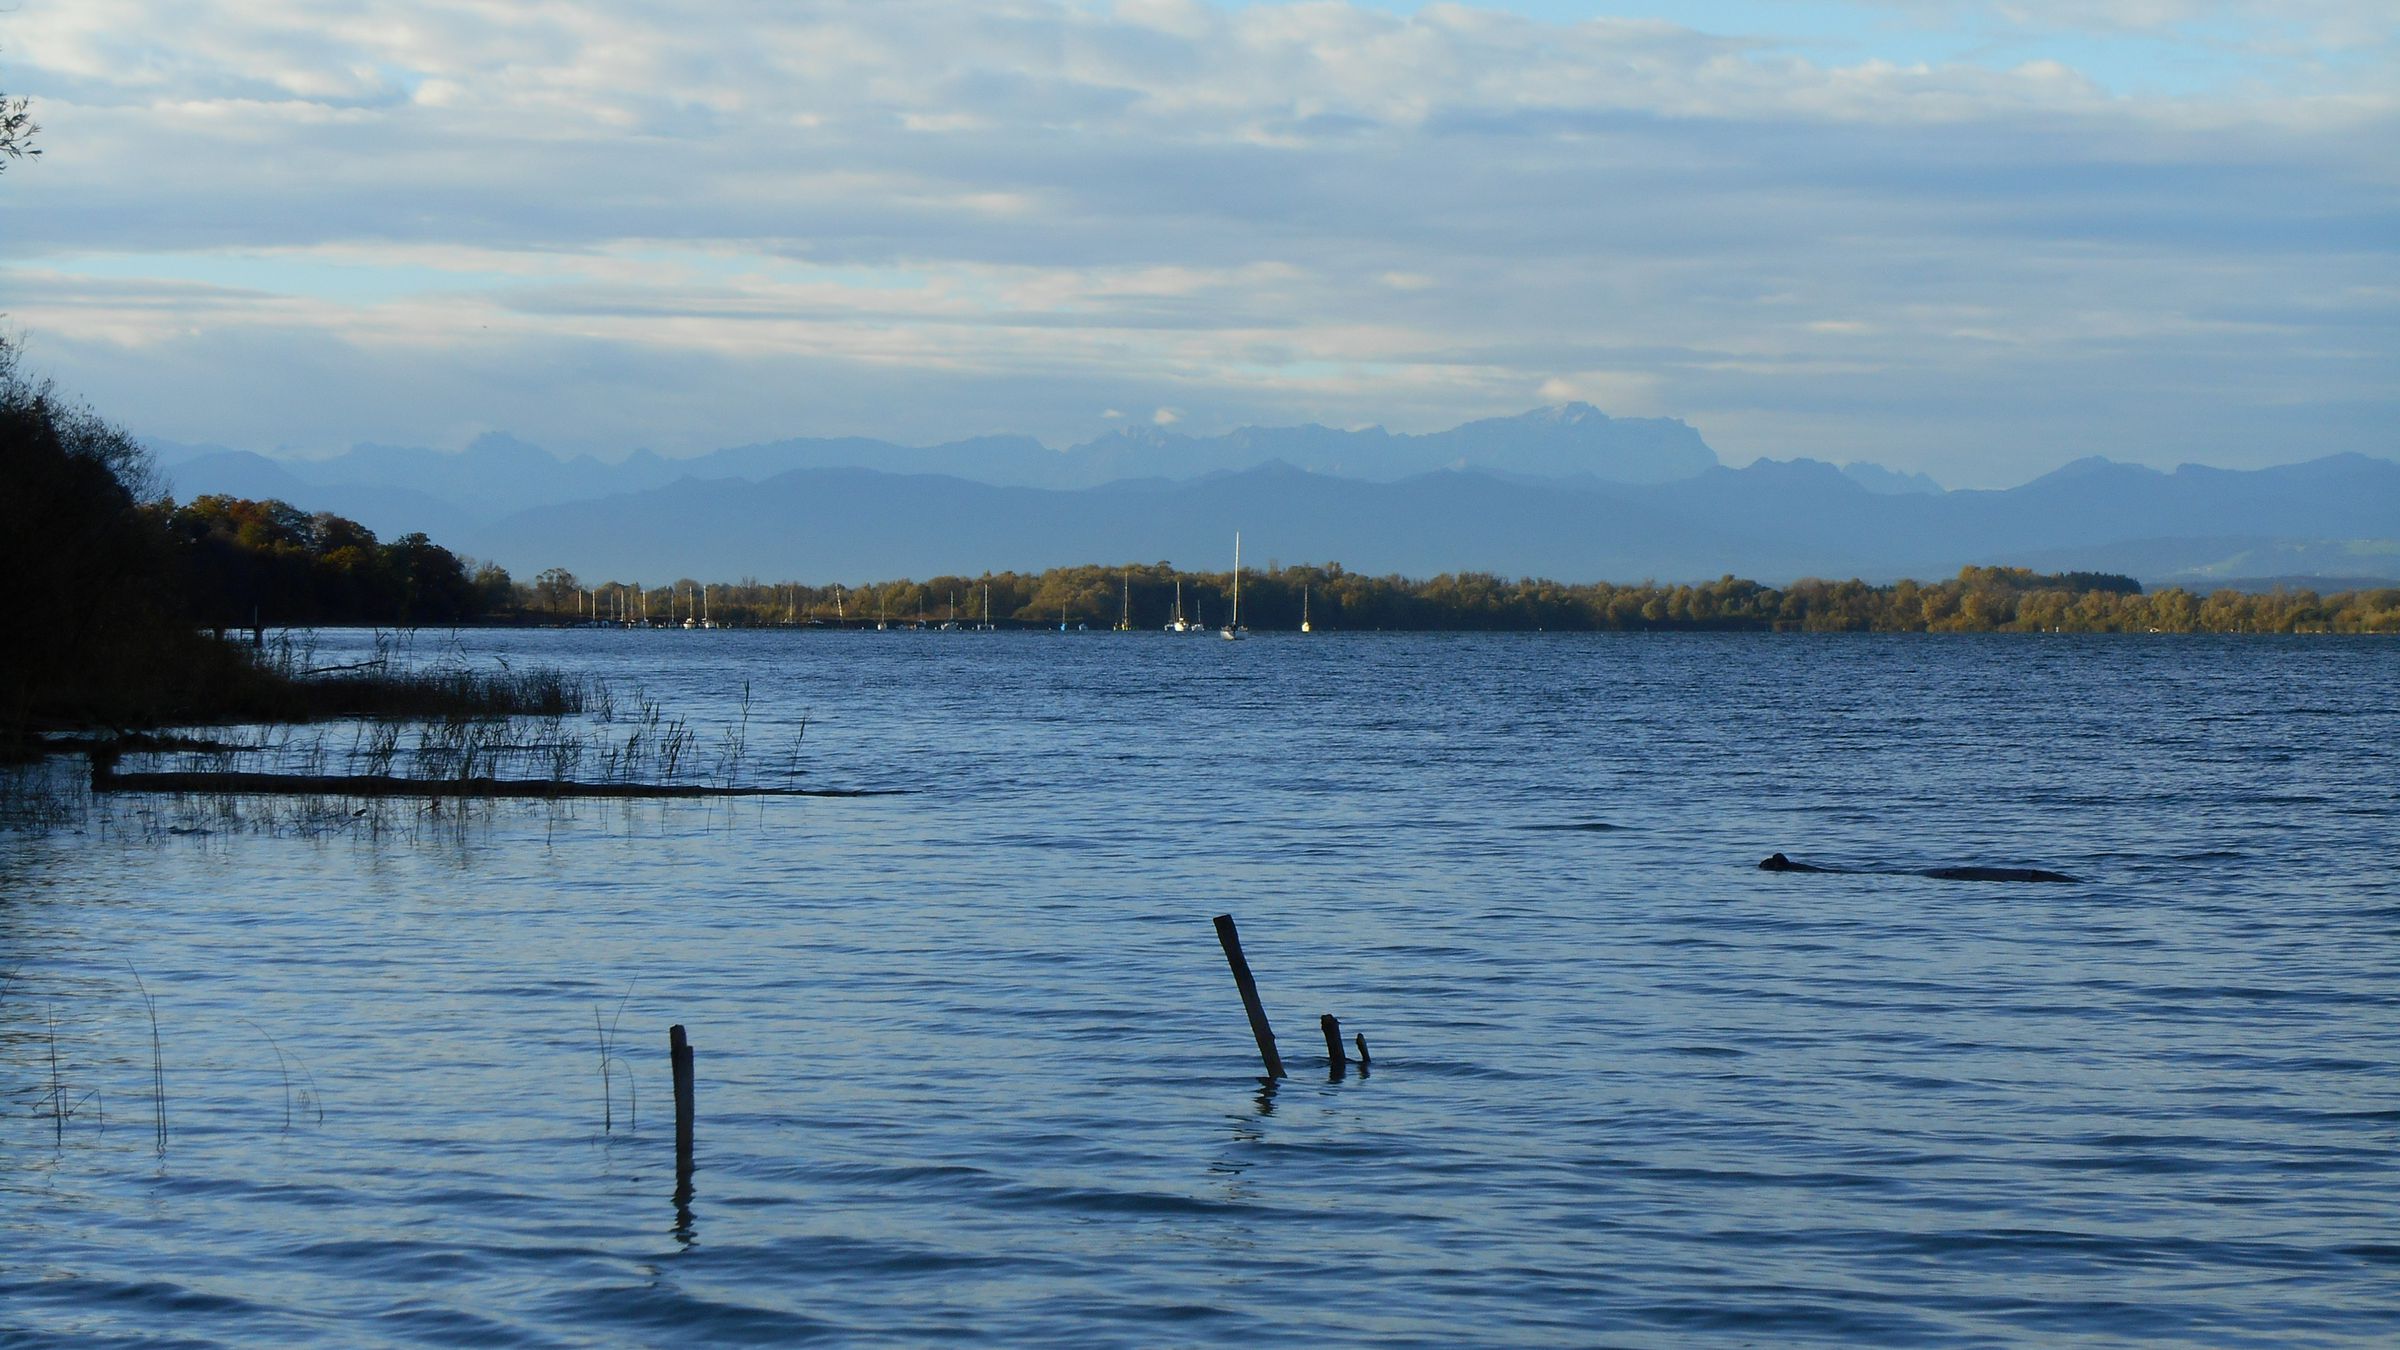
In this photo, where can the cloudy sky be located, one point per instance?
(1971, 238)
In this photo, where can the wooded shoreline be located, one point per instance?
(142, 612)
(1977, 600)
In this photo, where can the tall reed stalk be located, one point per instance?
(610, 1060)
(158, 1060)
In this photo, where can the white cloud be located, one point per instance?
(1632, 393)
(1009, 215)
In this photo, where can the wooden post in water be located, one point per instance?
(1362, 1053)
(1232, 942)
(1335, 1060)
(679, 1050)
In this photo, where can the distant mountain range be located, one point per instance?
(1566, 492)
(499, 473)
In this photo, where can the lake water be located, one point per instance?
(971, 1067)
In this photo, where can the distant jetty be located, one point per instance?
(105, 779)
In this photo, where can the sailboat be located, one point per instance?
(1177, 625)
(1125, 607)
(1304, 610)
(1233, 624)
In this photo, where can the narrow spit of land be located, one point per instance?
(386, 785)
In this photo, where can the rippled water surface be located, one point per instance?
(971, 1066)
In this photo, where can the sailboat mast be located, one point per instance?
(1237, 581)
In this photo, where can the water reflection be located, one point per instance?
(685, 1230)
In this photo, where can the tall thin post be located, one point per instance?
(1334, 1058)
(679, 1050)
(1265, 1034)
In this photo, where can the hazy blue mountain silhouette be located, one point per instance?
(2247, 562)
(859, 524)
(1569, 439)
(498, 473)
(1563, 491)
(2346, 496)
(1889, 482)
(1771, 520)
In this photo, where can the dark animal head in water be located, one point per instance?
(1780, 863)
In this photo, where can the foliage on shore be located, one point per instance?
(1977, 600)
(242, 561)
(119, 588)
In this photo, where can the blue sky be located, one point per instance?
(2128, 49)
(1973, 239)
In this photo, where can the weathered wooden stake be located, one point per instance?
(1334, 1058)
(1241, 978)
(679, 1050)
(1362, 1051)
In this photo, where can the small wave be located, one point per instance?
(441, 1325)
(2134, 1164)
(676, 1316)
(1092, 1200)
(153, 1295)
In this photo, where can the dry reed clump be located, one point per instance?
(42, 794)
(296, 686)
(398, 778)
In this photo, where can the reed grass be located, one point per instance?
(610, 1060)
(388, 685)
(60, 1111)
(158, 1059)
(309, 1096)
(382, 775)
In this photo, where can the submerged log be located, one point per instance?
(1779, 863)
(381, 785)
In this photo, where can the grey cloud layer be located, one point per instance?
(939, 220)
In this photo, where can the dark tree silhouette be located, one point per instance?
(16, 130)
